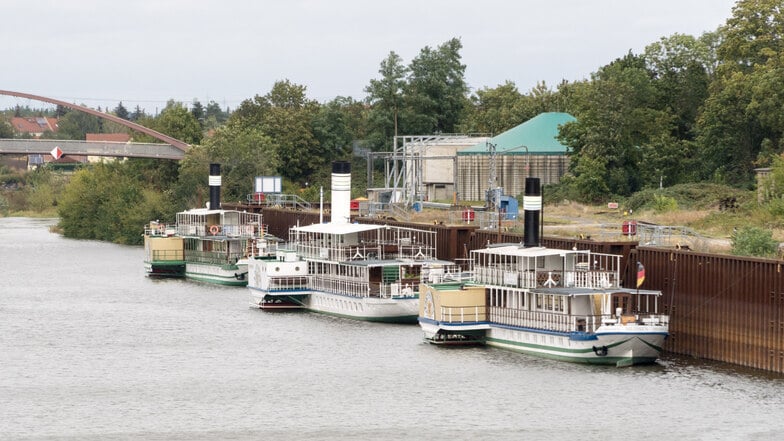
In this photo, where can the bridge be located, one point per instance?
(90, 148)
(172, 148)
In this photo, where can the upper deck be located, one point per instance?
(355, 242)
(516, 266)
(201, 222)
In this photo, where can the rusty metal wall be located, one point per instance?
(721, 307)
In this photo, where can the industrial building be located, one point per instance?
(530, 149)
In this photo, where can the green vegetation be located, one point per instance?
(697, 196)
(107, 202)
(753, 241)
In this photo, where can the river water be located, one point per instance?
(92, 349)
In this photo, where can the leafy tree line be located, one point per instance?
(686, 110)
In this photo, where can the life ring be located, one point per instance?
(214, 229)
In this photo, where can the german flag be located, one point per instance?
(640, 274)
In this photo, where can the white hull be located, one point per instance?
(397, 310)
(609, 346)
(221, 274)
(402, 310)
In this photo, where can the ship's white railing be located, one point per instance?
(154, 229)
(288, 283)
(228, 230)
(339, 253)
(214, 257)
(369, 251)
(339, 285)
(545, 279)
(463, 314)
(550, 321)
(636, 319)
(398, 290)
(531, 319)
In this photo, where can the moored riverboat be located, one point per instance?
(163, 251)
(206, 244)
(562, 304)
(217, 243)
(358, 271)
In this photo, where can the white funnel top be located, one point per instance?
(341, 193)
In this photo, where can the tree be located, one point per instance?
(75, 125)
(286, 116)
(138, 114)
(6, 130)
(214, 116)
(741, 125)
(729, 138)
(197, 110)
(120, 111)
(753, 36)
(332, 127)
(104, 202)
(435, 94)
(682, 67)
(619, 125)
(497, 110)
(385, 97)
(243, 152)
(176, 121)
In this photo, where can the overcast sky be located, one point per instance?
(144, 52)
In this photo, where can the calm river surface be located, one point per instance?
(92, 349)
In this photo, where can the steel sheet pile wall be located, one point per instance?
(723, 308)
(279, 220)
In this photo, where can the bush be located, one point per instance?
(663, 204)
(753, 241)
(692, 196)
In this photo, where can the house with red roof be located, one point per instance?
(35, 126)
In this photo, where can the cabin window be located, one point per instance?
(622, 301)
(558, 303)
(540, 262)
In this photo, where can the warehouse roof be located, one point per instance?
(538, 134)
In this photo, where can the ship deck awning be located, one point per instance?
(338, 229)
(370, 263)
(518, 250)
(593, 291)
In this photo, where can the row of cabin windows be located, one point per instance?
(352, 271)
(206, 245)
(339, 304)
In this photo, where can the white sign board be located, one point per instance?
(56, 152)
(267, 184)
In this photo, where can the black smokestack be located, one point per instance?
(532, 206)
(215, 186)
